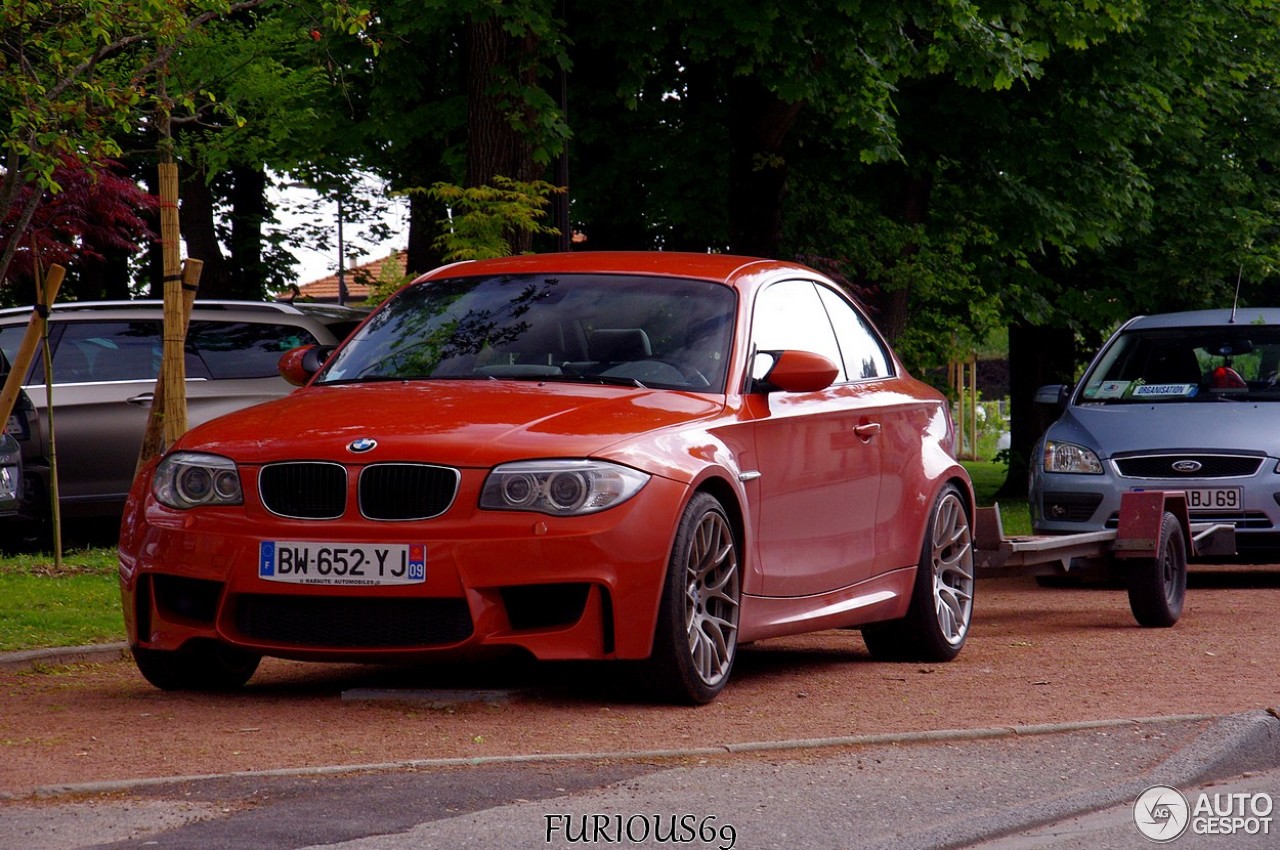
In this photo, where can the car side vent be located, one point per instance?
(307, 490)
(406, 491)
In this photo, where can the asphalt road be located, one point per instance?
(1042, 787)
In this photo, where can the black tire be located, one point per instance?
(941, 610)
(197, 666)
(1158, 586)
(696, 639)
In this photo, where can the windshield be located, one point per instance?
(1178, 365)
(631, 330)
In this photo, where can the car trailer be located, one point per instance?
(1152, 544)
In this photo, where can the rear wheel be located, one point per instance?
(937, 621)
(1158, 586)
(696, 640)
(197, 666)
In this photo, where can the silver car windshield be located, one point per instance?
(618, 329)
(1187, 365)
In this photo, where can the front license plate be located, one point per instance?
(1215, 499)
(348, 564)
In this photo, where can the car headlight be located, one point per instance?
(1068, 457)
(560, 487)
(185, 480)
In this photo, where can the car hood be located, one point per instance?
(1119, 428)
(459, 423)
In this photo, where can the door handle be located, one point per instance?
(143, 400)
(867, 430)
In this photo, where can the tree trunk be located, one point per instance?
(497, 146)
(248, 276)
(421, 253)
(758, 124)
(198, 230)
(1037, 356)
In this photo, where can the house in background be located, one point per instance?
(359, 280)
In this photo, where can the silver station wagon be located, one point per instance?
(1179, 401)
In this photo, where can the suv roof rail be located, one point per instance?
(211, 304)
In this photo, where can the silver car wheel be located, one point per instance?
(952, 565)
(711, 597)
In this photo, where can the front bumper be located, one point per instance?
(1071, 503)
(558, 587)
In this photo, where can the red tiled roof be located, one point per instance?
(357, 278)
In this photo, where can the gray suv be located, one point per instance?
(106, 356)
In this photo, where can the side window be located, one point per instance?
(864, 355)
(107, 351)
(10, 339)
(244, 349)
(789, 315)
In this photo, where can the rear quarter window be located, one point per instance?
(233, 350)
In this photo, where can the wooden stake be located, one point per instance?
(159, 436)
(30, 342)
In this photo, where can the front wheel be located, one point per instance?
(937, 621)
(1158, 586)
(197, 666)
(696, 640)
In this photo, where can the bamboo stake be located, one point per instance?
(156, 439)
(18, 369)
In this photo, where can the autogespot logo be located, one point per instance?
(1161, 813)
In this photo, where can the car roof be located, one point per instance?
(149, 306)
(1207, 318)
(717, 267)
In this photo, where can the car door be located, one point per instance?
(818, 455)
(896, 418)
(103, 375)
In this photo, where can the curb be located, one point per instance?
(99, 653)
(1245, 746)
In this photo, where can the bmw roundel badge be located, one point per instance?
(363, 444)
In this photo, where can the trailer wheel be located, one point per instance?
(1158, 586)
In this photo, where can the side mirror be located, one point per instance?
(1054, 395)
(299, 365)
(798, 372)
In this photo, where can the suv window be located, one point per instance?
(107, 351)
(244, 349)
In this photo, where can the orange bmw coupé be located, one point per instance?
(651, 457)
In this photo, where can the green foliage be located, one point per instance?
(41, 606)
(482, 219)
(988, 477)
(389, 281)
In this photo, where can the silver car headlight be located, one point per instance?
(185, 480)
(560, 487)
(1068, 457)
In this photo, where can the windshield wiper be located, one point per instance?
(610, 380)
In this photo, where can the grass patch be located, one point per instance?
(988, 477)
(42, 605)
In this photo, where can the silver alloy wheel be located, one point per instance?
(711, 598)
(952, 564)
